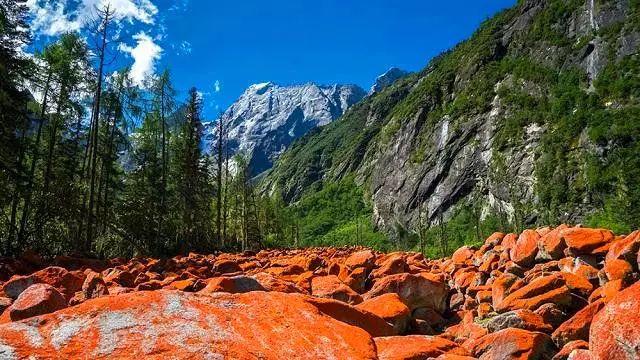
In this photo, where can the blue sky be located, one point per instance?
(222, 47)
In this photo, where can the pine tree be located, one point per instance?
(192, 188)
(14, 120)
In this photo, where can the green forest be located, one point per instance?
(95, 165)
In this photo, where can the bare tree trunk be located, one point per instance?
(219, 181)
(95, 116)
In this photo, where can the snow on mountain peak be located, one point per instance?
(267, 118)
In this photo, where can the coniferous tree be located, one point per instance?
(15, 123)
(192, 188)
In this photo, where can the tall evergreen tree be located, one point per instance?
(14, 121)
(192, 186)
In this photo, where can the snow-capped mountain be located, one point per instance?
(267, 118)
(387, 79)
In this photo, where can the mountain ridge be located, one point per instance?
(525, 99)
(267, 117)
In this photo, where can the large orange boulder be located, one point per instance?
(36, 300)
(391, 308)
(462, 255)
(415, 347)
(356, 278)
(614, 332)
(617, 269)
(569, 348)
(525, 249)
(272, 283)
(577, 327)
(551, 245)
(416, 291)
(68, 283)
(586, 240)
(521, 319)
(365, 259)
(232, 284)
(394, 264)
(547, 289)
(166, 324)
(515, 344)
(331, 287)
(625, 248)
(501, 288)
(369, 322)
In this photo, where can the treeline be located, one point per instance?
(93, 164)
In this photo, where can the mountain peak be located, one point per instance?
(267, 118)
(387, 78)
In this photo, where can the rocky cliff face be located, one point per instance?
(514, 121)
(267, 118)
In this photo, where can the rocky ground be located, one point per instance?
(563, 293)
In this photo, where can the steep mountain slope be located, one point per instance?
(535, 118)
(268, 117)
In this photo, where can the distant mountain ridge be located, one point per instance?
(268, 117)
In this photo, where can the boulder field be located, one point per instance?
(564, 293)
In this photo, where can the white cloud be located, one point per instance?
(217, 86)
(140, 10)
(51, 19)
(145, 55)
(54, 18)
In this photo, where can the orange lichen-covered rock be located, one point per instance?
(581, 354)
(68, 283)
(625, 248)
(516, 344)
(462, 255)
(567, 349)
(614, 332)
(521, 319)
(585, 240)
(355, 279)
(163, 324)
(414, 290)
(272, 283)
(577, 327)
(371, 323)
(223, 266)
(365, 258)
(577, 284)
(395, 264)
(607, 291)
(390, 308)
(36, 300)
(547, 289)
(232, 284)
(509, 241)
(551, 314)
(525, 249)
(551, 245)
(120, 277)
(331, 287)
(5, 303)
(501, 288)
(415, 347)
(617, 269)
